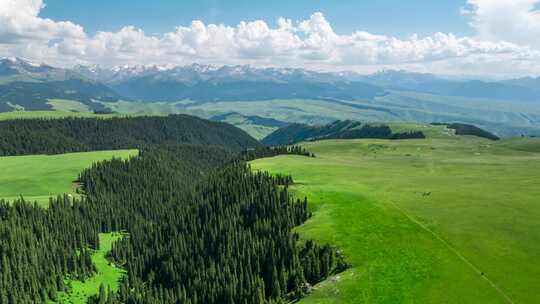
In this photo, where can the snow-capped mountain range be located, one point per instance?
(197, 72)
(243, 82)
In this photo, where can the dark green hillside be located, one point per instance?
(467, 129)
(347, 129)
(53, 136)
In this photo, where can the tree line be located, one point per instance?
(252, 154)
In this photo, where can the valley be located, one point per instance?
(260, 100)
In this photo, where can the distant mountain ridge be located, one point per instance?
(30, 86)
(523, 89)
(207, 83)
(227, 83)
(169, 83)
(290, 95)
(198, 72)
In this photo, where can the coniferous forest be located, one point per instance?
(200, 227)
(54, 136)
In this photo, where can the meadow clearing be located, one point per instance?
(38, 177)
(107, 274)
(51, 114)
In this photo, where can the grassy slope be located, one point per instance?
(37, 177)
(368, 195)
(107, 274)
(50, 114)
(68, 105)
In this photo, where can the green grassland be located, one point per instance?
(147, 108)
(68, 105)
(50, 115)
(107, 274)
(448, 219)
(38, 177)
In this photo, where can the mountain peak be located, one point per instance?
(20, 66)
(20, 61)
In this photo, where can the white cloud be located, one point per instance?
(515, 21)
(310, 43)
(19, 20)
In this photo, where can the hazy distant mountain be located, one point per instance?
(29, 86)
(527, 82)
(210, 83)
(199, 73)
(227, 83)
(525, 89)
(151, 89)
(117, 74)
(393, 79)
(488, 90)
(504, 107)
(17, 69)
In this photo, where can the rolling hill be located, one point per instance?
(347, 129)
(82, 134)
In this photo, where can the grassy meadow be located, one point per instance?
(64, 105)
(107, 274)
(50, 115)
(38, 177)
(447, 219)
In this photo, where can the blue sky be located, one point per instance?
(496, 38)
(390, 17)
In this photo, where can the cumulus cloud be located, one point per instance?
(19, 21)
(310, 43)
(515, 21)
